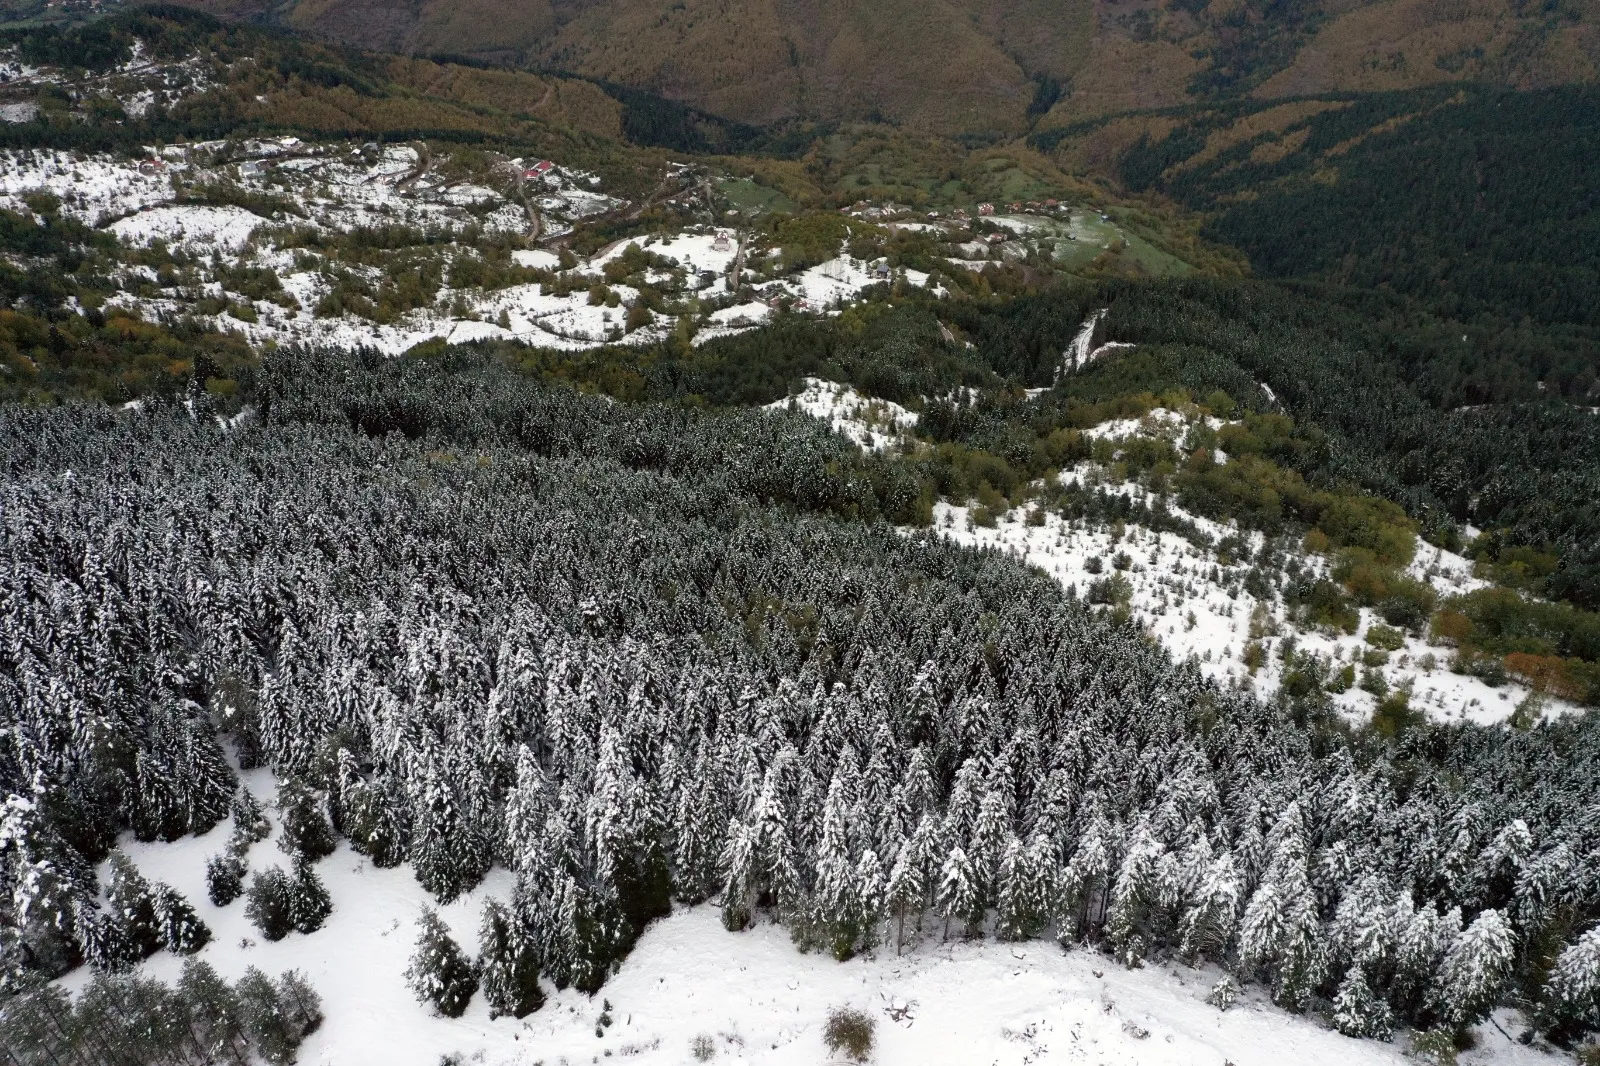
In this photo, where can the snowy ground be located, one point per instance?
(872, 424)
(249, 203)
(761, 1001)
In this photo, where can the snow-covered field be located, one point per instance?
(763, 1003)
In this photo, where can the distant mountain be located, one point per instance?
(977, 66)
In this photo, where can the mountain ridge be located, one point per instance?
(975, 67)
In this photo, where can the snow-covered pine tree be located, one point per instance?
(277, 1015)
(1281, 931)
(250, 822)
(1025, 900)
(300, 1003)
(1359, 1011)
(448, 855)
(960, 897)
(1134, 894)
(208, 779)
(39, 897)
(871, 892)
(1572, 994)
(1423, 937)
(309, 902)
(909, 883)
(215, 1013)
(307, 834)
(508, 962)
(834, 906)
(1208, 922)
(269, 903)
(160, 812)
(1474, 970)
(377, 821)
(224, 878)
(179, 927)
(758, 862)
(439, 974)
(132, 906)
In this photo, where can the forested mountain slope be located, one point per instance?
(495, 623)
(979, 67)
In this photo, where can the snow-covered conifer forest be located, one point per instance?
(471, 622)
(490, 574)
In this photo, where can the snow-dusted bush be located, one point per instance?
(1224, 993)
(849, 1032)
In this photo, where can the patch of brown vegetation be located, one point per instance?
(578, 104)
(1404, 44)
(1126, 75)
(1098, 151)
(1272, 120)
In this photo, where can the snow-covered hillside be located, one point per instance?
(761, 1001)
(276, 205)
(1190, 596)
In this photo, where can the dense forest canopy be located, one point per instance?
(495, 621)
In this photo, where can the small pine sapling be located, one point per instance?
(1223, 994)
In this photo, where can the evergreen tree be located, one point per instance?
(508, 961)
(132, 907)
(1025, 901)
(224, 878)
(309, 902)
(835, 905)
(1212, 914)
(1572, 995)
(307, 833)
(269, 903)
(250, 822)
(216, 1014)
(179, 927)
(377, 821)
(300, 1003)
(1358, 1011)
(1474, 970)
(960, 896)
(209, 779)
(439, 974)
(448, 855)
(1281, 930)
(276, 1014)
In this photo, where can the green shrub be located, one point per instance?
(1381, 636)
